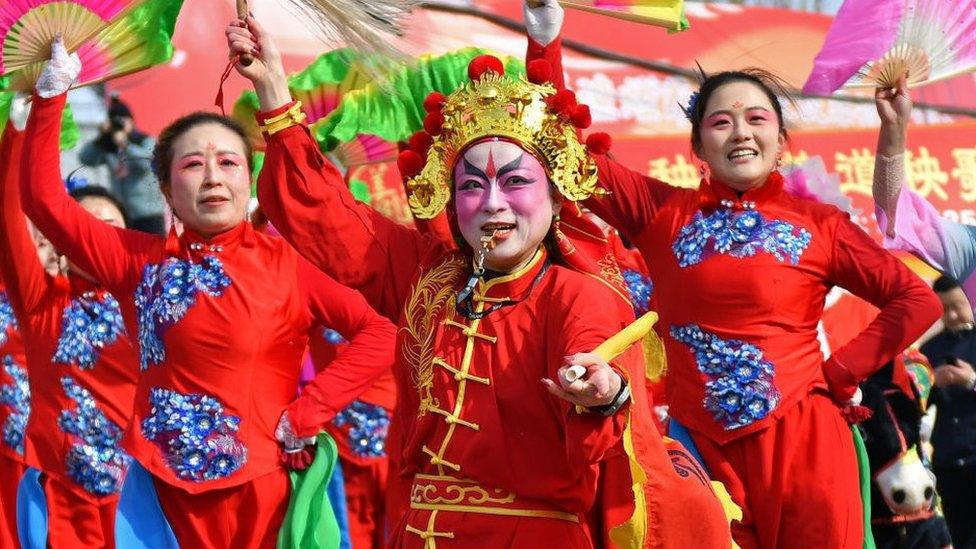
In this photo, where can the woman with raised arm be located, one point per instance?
(221, 314)
(495, 444)
(81, 370)
(740, 271)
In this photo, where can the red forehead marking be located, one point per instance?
(211, 147)
(490, 169)
(737, 105)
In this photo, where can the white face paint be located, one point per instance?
(906, 485)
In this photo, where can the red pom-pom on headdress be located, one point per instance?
(581, 117)
(410, 164)
(563, 102)
(598, 143)
(434, 122)
(484, 63)
(538, 71)
(435, 100)
(420, 143)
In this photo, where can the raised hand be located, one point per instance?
(543, 20)
(60, 72)
(266, 70)
(894, 104)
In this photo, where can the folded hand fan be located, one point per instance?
(137, 41)
(669, 14)
(27, 27)
(872, 43)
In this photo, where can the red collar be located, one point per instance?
(713, 193)
(192, 242)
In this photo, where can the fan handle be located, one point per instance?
(246, 58)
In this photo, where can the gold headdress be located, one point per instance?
(529, 112)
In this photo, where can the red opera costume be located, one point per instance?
(740, 283)
(82, 370)
(487, 457)
(222, 325)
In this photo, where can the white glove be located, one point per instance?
(857, 397)
(60, 73)
(285, 434)
(544, 22)
(19, 110)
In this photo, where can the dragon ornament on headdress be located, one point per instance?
(529, 112)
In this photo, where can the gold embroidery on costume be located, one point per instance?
(432, 291)
(610, 270)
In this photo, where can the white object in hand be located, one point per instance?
(573, 373)
(19, 110)
(60, 73)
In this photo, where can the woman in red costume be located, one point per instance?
(740, 271)
(221, 313)
(490, 450)
(81, 367)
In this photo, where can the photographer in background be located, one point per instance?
(127, 152)
(953, 353)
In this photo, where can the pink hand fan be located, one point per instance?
(27, 27)
(872, 43)
(139, 40)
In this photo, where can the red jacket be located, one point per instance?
(81, 365)
(222, 325)
(740, 285)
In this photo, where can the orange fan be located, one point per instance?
(27, 27)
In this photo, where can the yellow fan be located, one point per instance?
(669, 14)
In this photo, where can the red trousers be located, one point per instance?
(11, 471)
(73, 521)
(796, 481)
(247, 516)
(365, 494)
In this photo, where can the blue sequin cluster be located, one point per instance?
(95, 460)
(16, 397)
(640, 288)
(194, 434)
(166, 293)
(739, 234)
(86, 327)
(7, 318)
(332, 337)
(740, 390)
(368, 426)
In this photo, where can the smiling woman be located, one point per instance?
(222, 315)
(741, 270)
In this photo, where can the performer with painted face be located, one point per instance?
(72, 398)
(221, 313)
(740, 271)
(495, 446)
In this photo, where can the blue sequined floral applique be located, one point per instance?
(740, 235)
(166, 293)
(95, 460)
(7, 318)
(15, 396)
(368, 425)
(87, 326)
(196, 436)
(640, 288)
(740, 388)
(332, 337)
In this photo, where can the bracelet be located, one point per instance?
(292, 117)
(623, 395)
